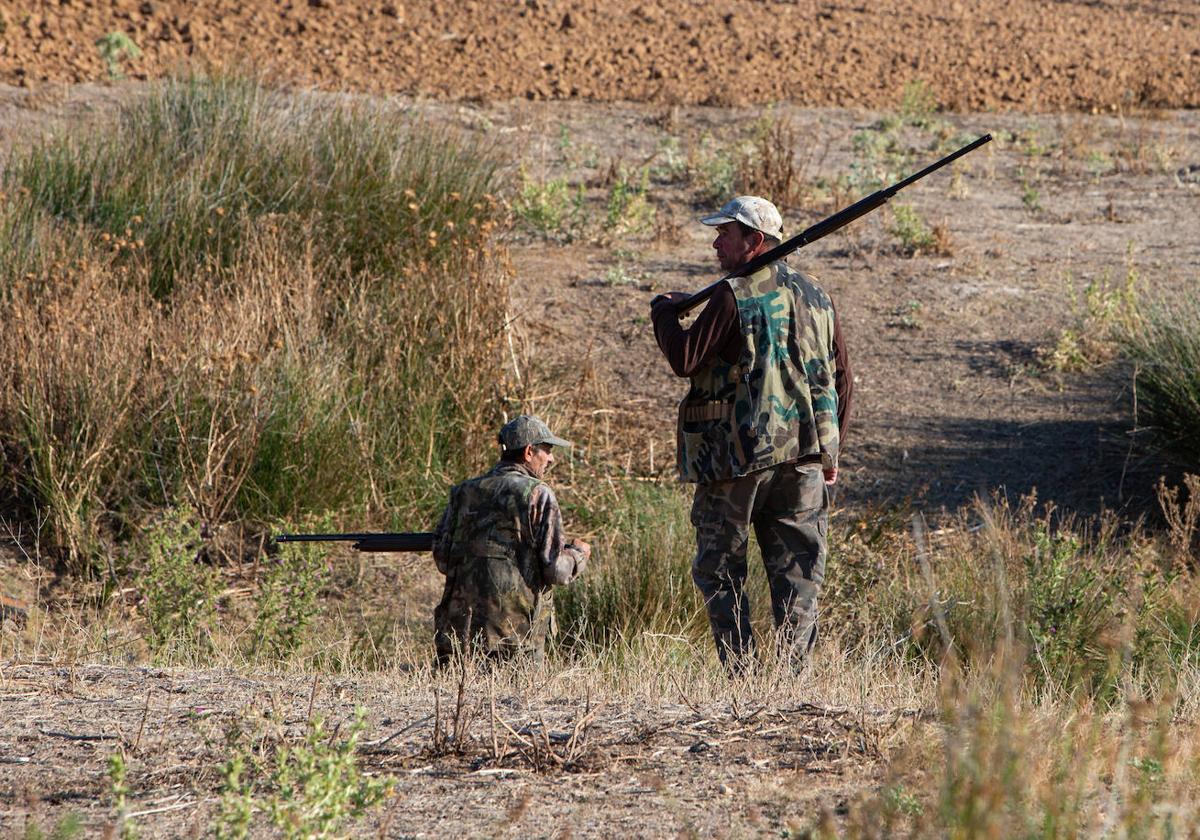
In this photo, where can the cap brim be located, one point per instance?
(716, 219)
(556, 441)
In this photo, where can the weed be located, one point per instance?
(712, 169)
(115, 49)
(118, 783)
(911, 231)
(908, 315)
(550, 208)
(286, 603)
(318, 786)
(68, 827)
(235, 814)
(628, 209)
(1031, 197)
(917, 103)
(1100, 318)
(179, 588)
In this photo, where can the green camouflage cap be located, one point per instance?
(527, 430)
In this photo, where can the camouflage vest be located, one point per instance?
(495, 599)
(778, 403)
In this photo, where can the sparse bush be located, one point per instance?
(179, 589)
(911, 231)
(115, 49)
(550, 208)
(1100, 318)
(318, 786)
(286, 603)
(311, 789)
(628, 210)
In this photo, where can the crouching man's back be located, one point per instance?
(500, 545)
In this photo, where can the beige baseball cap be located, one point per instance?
(751, 211)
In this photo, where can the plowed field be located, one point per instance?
(972, 54)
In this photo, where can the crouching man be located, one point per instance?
(500, 545)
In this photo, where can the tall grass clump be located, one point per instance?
(1089, 602)
(641, 579)
(1164, 345)
(255, 305)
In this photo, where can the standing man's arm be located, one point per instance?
(714, 328)
(561, 562)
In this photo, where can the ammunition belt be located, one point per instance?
(707, 411)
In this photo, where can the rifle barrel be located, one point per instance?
(402, 541)
(827, 226)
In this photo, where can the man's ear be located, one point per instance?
(529, 452)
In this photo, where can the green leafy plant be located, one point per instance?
(68, 827)
(550, 208)
(179, 588)
(911, 231)
(318, 786)
(118, 773)
(286, 603)
(628, 208)
(115, 49)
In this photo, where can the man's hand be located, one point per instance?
(831, 475)
(674, 299)
(585, 554)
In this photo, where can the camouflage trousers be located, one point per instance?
(789, 509)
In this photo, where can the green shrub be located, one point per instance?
(310, 789)
(550, 208)
(910, 230)
(179, 588)
(318, 786)
(286, 603)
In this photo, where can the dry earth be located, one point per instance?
(535, 764)
(974, 54)
(952, 396)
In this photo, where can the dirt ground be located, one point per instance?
(953, 394)
(979, 55)
(531, 766)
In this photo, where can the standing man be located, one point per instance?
(500, 545)
(759, 430)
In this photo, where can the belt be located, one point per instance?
(707, 411)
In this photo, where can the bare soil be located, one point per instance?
(528, 766)
(974, 54)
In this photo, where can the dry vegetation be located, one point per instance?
(231, 311)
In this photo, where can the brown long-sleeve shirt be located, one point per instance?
(717, 331)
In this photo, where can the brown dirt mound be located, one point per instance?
(972, 54)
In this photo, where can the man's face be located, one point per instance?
(734, 248)
(538, 458)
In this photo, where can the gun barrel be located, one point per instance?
(402, 541)
(827, 226)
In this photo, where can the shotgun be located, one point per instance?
(405, 541)
(827, 226)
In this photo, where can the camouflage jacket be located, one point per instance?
(500, 545)
(778, 403)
